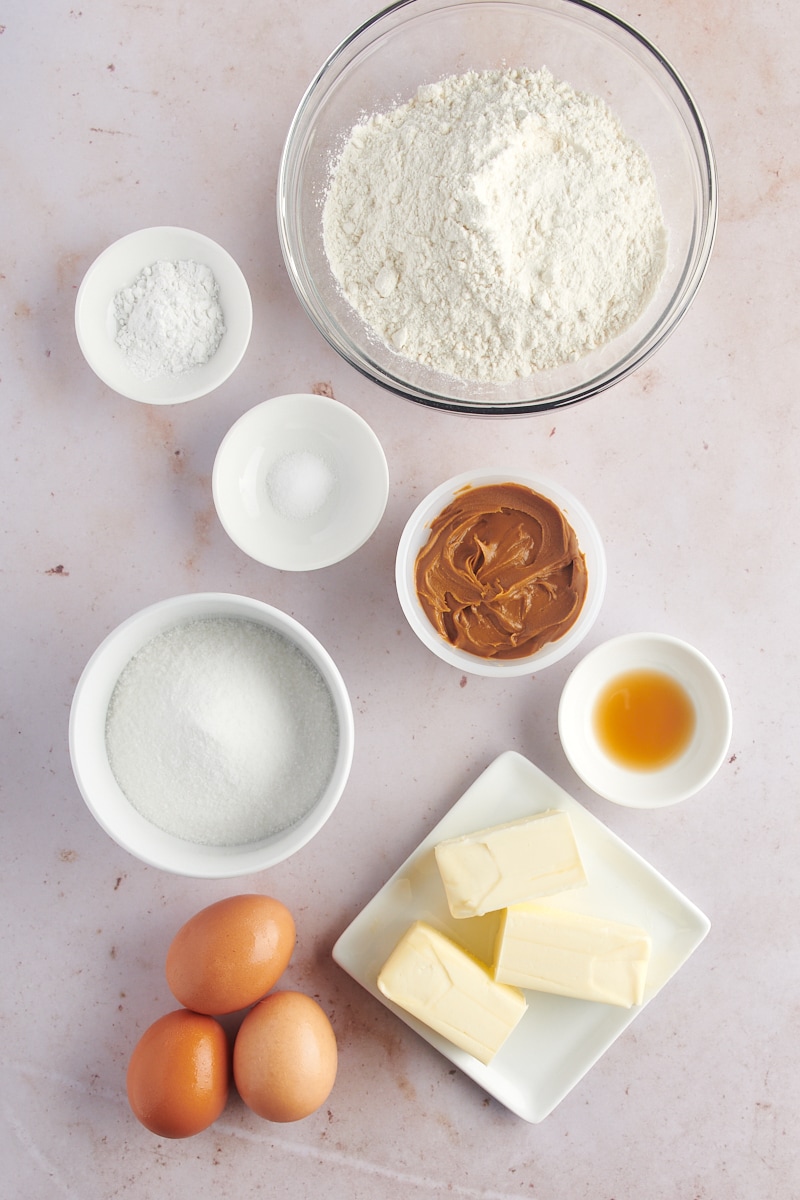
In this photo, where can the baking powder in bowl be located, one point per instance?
(498, 224)
(221, 732)
(169, 319)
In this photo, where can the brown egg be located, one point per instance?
(179, 1074)
(230, 954)
(285, 1057)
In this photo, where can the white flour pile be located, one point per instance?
(498, 224)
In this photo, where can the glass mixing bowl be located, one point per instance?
(382, 64)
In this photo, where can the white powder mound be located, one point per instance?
(498, 224)
(221, 732)
(299, 484)
(169, 319)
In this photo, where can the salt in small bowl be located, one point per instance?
(300, 482)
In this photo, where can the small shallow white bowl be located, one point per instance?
(118, 267)
(416, 533)
(103, 795)
(271, 433)
(681, 778)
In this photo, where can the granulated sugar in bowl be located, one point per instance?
(211, 735)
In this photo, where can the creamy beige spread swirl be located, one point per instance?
(502, 573)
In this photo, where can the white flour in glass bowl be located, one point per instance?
(498, 224)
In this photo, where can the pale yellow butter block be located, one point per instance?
(440, 984)
(507, 864)
(552, 950)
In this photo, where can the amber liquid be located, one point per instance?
(644, 719)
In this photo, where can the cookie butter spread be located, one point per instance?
(502, 573)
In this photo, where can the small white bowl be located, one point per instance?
(703, 755)
(416, 534)
(104, 796)
(300, 482)
(118, 267)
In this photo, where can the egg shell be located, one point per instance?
(230, 954)
(179, 1074)
(285, 1057)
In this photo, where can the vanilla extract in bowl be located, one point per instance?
(644, 719)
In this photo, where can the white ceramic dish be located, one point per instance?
(704, 754)
(559, 1039)
(99, 788)
(276, 432)
(416, 533)
(118, 267)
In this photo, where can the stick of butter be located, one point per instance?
(507, 864)
(551, 950)
(440, 984)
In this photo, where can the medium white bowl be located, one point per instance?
(118, 267)
(702, 757)
(416, 533)
(100, 789)
(333, 473)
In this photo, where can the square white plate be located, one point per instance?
(559, 1038)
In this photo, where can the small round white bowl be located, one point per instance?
(98, 785)
(688, 773)
(274, 432)
(416, 533)
(118, 267)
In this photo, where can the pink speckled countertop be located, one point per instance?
(118, 116)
